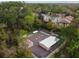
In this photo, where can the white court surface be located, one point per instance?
(48, 42)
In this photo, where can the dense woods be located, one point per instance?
(21, 18)
(13, 22)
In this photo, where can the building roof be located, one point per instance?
(46, 17)
(64, 20)
(70, 18)
(60, 18)
(67, 19)
(50, 41)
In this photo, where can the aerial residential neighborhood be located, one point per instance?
(37, 30)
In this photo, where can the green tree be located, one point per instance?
(37, 23)
(50, 25)
(29, 20)
(11, 22)
(70, 34)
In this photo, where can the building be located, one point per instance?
(58, 19)
(46, 18)
(48, 42)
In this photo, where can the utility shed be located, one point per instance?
(48, 42)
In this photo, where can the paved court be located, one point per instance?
(38, 50)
